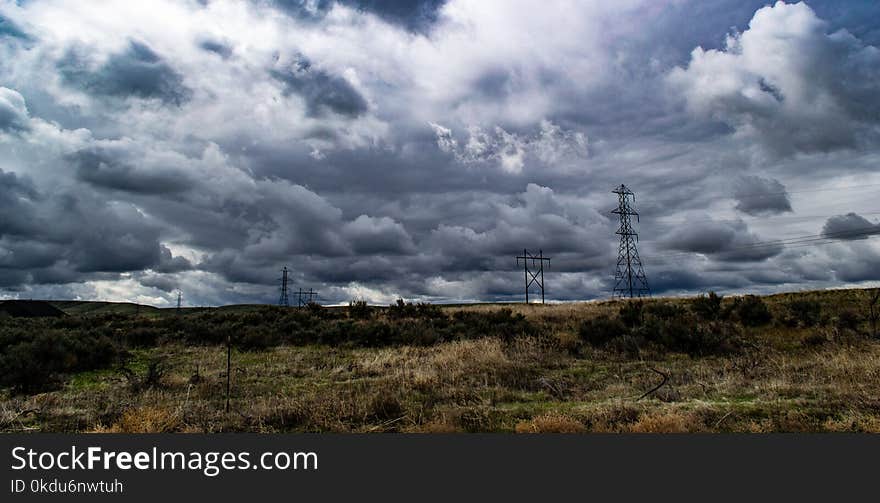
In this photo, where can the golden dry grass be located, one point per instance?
(551, 422)
(779, 383)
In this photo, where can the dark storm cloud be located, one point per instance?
(857, 265)
(160, 281)
(415, 15)
(135, 72)
(103, 168)
(169, 263)
(677, 280)
(476, 136)
(848, 227)
(321, 91)
(377, 236)
(61, 235)
(761, 196)
(729, 241)
(217, 47)
(9, 28)
(17, 197)
(859, 17)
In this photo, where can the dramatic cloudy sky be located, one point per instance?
(382, 149)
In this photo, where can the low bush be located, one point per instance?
(32, 359)
(750, 311)
(849, 320)
(402, 310)
(359, 310)
(631, 313)
(664, 310)
(708, 306)
(803, 312)
(502, 323)
(143, 336)
(600, 331)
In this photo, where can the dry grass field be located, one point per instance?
(813, 365)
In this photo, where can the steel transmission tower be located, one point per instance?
(306, 297)
(284, 300)
(535, 273)
(629, 279)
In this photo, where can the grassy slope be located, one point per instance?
(91, 308)
(789, 379)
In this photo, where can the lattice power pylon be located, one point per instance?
(307, 297)
(629, 279)
(535, 273)
(284, 300)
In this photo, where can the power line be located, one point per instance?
(765, 217)
(802, 191)
(808, 240)
(802, 245)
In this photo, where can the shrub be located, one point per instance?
(663, 310)
(602, 330)
(429, 311)
(686, 334)
(32, 360)
(143, 336)
(628, 345)
(503, 324)
(152, 378)
(401, 309)
(814, 339)
(707, 307)
(359, 310)
(631, 313)
(256, 338)
(147, 419)
(804, 312)
(751, 311)
(700, 338)
(848, 320)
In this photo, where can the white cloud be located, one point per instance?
(551, 146)
(787, 83)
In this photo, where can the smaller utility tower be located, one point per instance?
(284, 300)
(629, 278)
(305, 297)
(535, 273)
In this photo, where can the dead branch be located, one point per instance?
(655, 388)
(725, 416)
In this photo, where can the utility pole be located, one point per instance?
(535, 273)
(284, 300)
(179, 299)
(305, 297)
(629, 278)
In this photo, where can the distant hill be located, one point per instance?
(29, 309)
(80, 308)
